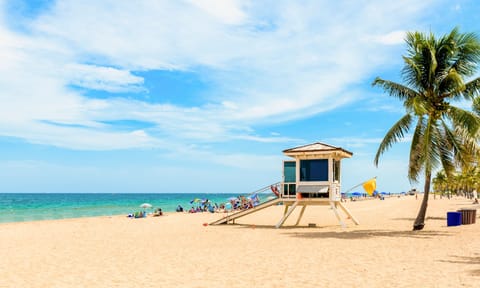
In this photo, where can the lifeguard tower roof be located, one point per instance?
(318, 148)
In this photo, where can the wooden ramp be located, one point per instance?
(242, 213)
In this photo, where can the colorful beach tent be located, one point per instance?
(370, 186)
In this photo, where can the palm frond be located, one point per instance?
(465, 147)
(395, 89)
(417, 154)
(472, 89)
(432, 144)
(451, 85)
(395, 134)
(468, 53)
(417, 105)
(469, 121)
(449, 146)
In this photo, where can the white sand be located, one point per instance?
(176, 250)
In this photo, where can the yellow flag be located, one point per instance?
(370, 186)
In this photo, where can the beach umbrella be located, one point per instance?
(196, 200)
(357, 194)
(146, 205)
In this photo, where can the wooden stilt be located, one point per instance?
(301, 214)
(349, 214)
(332, 204)
(284, 218)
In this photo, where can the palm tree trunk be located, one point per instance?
(420, 220)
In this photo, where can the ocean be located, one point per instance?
(20, 207)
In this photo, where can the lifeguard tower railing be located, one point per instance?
(266, 197)
(266, 192)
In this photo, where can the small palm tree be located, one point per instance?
(434, 75)
(440, 182)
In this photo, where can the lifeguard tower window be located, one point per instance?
(314, 170)
(289, 178)
(289, 171)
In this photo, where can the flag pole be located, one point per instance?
(358, 185)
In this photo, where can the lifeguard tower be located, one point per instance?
(311, 178)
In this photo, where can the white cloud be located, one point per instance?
(352, 142)
(81, 138)
(391, 38)
(268, 62)
(249, 161)
(228, 11)
(103, 78)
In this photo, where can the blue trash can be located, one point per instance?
(454, 218)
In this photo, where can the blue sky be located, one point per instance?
(201, 96)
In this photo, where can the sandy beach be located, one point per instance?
(177, 250)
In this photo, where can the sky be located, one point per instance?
(191, 96)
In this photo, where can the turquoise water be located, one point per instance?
(19, 207)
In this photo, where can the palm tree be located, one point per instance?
(434, 74)
(440, 182)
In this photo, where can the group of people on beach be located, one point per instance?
(204, 205)
(242, 202)
(142, 214)
(233, 204)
